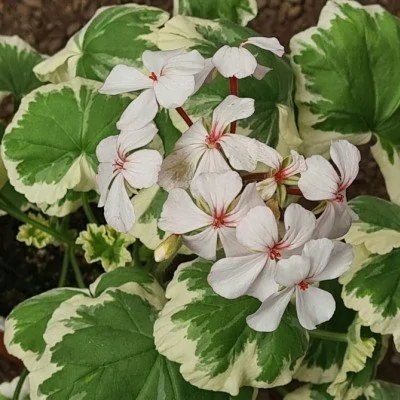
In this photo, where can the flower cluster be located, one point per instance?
(215, 197)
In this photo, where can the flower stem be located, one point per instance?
(76, 269)
(87, 209)
(64, 268)
(296, 191)
(233, 83)
(327, 335)
(184, 116)
(21, 381)
(255, 177)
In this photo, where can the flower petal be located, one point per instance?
(180, 204)
(154, 61)
(267, 188)
(130, 139)
(141, 168)
(118, 209)
(106, 150)
(234, 61)
(240, 151)
(204, 244)
(271, 44)
(261, 71)
(269, 156)
(231, 277)
(258, 229)
(105, 175)
(300, 226)
(173, 90)
(296, 166)
(189, 63)
(139, 112)
(212, 161)
(124, 79)
(291, 271)
(205, 75)
(269, 315)
(217, 189)
(318, 253)
(347, 157)
(232, 247)
(232, 108)
(320, 181)
(314, 306)
(265, 284)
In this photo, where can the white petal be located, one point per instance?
(231, 277)
(232, 108)
(154, 61)
(267, 188)
(346, 156)
(240, 151)
(234, 61)
(318, 252)
(140, 111)
(261, 71)
(179, 167)
(232, 247)
(105, 175)
(247, 200)
(184, 64)
(212, 161)
(106, 150)
(271, 44)
(123, 79)
(217, 189)
(335, 221)
(291, 271)
(141, 168)
(118, 209)
(269, 315)
(173, 90)
(314, 306)
(299, 224)
(131, 139)
(205, 75)
(269, 156)
(181, 215)
(258, 229)
(320, 181)
(296, 166)
(204, 244)
(265, 284)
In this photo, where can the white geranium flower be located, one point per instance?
(320, 260)
(321, 182)
(253, 274)
(239, 62)
(169, 82)
(120, 164)
(282, 169)
(220, 212)
(199, 151)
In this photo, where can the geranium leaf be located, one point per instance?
(209, 336)
(379, 390)
(310, 392)
(50, 145)
(343, 87)
(114, 35)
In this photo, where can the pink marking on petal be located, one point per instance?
(219, 220)
(153, 76)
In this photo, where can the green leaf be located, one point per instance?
(209, 336)
(102, 243)
(378, 226)
(17, 199)
(310, 392)
(325, 357)
(379, 390)
(239, 11)
(17, 59)
(167, 131)
(343, 84)
(50, 145)
(115, 35)
(207, 37)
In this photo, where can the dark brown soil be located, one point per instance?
(47, 25)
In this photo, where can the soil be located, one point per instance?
(47, 25)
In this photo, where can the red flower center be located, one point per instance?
(118, 164)
(212, 142)
(339, 198)
(153, 76)
(274, 253)
(280, 176)
(219, 220)
(303, 285)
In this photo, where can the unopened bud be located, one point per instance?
(168, 247)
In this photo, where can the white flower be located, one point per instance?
(282, 169)
(199, 151)
(220, 212)
(321, 182)
(253, 274)
(320, 260)
(169, 83)
(119, 164)
(239, 62)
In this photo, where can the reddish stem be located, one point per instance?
(296, 191)
(255, 177)
(233, 83)
(184, 116)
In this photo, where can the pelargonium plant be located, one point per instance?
(199, 152)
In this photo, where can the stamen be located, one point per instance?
(219, 220)
(280, 176)
(153, 76)
(303, 285)
(274, 253)
(339, 198)
(212, 142)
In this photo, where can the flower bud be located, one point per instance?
(168, 247)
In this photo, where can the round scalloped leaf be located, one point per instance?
(17, 59)
(379, 390)
(209, 336)
(378, 224)
(32, 236)
(114, 35)
(343, 84)
(239, 11)
(50, 145)
(207, 37)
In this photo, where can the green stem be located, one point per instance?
(64, 268)
(327, 335)
(19, 384)
(159, 269)
(76, 269)
(88, 210)
(19, 215)
(136, 255)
